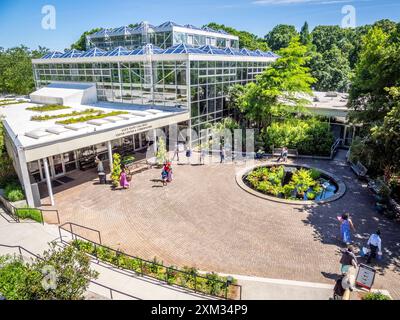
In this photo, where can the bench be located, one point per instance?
(292, 153)
(359, 169)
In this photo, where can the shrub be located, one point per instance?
(116, 171)
(100, 115)
(189, 278)
(375, 296)
(30, 213)
(49, 107)
(66, 115)
(13, 192)
(310, 137)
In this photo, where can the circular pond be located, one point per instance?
(292, 184)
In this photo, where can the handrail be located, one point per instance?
(144, 261)
(335, 146)
(114, 290)
(13, 211)
(74, 234)
(111, 290)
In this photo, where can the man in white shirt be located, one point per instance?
(375, 244)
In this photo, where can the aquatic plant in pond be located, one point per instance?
(291, 183)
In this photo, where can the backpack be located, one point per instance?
(338, 289)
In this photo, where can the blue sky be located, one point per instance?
(20, 20)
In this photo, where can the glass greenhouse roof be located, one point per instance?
(72, 54)
(212, 50)
(182, 48)
(177, 49)
(52, 55)
(139, 28)
(119, 51)
(95, 52)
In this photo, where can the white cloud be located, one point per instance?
(286, 2)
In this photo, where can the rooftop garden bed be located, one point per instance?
(8, 103)
(50, 107)
(66, 115)
(99, 115)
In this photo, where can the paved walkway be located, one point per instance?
(35, 238)
(203, 219)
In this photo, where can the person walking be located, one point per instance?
(283, 155)
(123, 179)
(99, 163)
(202, 155)
(188, 154)
(346, 226)
(176, 153)
(375, 245)
(222, 154)
(348, 260)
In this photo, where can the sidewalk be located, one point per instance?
(35, 238)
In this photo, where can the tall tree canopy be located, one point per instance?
(278, 86)
(378, 68)
(81, 43)
(16, 69)
(280, 36)
(246, 39)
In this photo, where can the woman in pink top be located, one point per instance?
(123, 180)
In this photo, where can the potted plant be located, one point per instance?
(116, 171)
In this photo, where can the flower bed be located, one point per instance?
(66, 115)
(49, 107)
(100, 115)
(8, 103)
(290, 183)
(189, 278)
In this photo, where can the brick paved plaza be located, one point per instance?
(204, 219)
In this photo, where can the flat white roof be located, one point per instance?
(30, 134)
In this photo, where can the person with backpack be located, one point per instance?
(375, 245)
(348, 260)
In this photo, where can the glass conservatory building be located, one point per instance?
(180, 81)
(196, 79)
(163, 36)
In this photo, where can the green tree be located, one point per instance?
(332, 69)
(246, 39)
(80, 44)
(279, 87)
(16, 69)
(305, 35)
(22, 281)
(377, 69)
(280, 36)
(162, 154)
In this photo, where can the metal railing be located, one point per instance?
(13, 211)
(109, 289)
(145, 263)
(335, 147)
(75, 235)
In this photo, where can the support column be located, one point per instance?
(24, 177)
(110, 155)
(155, 141)
(48, 180)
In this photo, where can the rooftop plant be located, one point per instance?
(66, 115)
(99, 115)
(8, 103)
(49, 107)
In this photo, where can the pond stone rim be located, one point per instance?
(339, 182)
